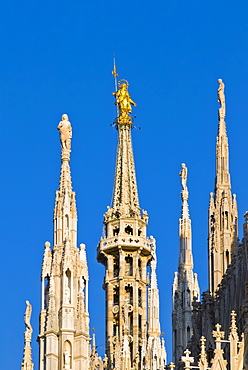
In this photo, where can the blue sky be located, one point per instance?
(56, 57)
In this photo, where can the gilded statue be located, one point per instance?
(221, 98)
(124, 101)
(183, 174)
(65, 132)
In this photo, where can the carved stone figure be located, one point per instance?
(67, 359)
(126, 308)
(67, 295)
(124, 101)
(221, 98)
(153, 250)
(183, 174)
(65, 132)
(27, 317)
(221, 95)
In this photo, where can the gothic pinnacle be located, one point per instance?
(223, 215)
(222, 152)
(65, 204)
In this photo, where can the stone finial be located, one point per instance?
(203, 364)
(233, 326)
(187, 359)
(219, 335)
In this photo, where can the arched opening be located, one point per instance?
(226, 220)
(46, 291)
(129, 266)
(227, 258)
(188, 334)
(140, 268)
(116, 231)
(116, 267)
(116, 296)
(128, 230)
(67, 355)
(140, 297)
(129, 294)
(67, 222)
(140, 328)
(67, 287)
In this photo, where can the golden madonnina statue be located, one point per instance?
(124, 101)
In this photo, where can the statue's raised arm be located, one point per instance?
(65, 132)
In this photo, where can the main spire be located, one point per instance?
(126, 253)
(125, 195)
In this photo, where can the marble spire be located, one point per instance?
(155, 352)
(223, 213)
(125, 251)
(185, 285)
(64, 319)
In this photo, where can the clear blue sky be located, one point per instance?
(56, 57)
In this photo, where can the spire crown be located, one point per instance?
(125, 201)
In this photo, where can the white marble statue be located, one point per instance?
(221, 98)
(67, 359)
(27, 317)
(183, 174)
(65, 132)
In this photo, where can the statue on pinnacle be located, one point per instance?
(65, 133)
(124, 102)
(221, 99)
(183, 174)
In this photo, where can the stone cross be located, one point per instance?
(218, 335)
(187, 359)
